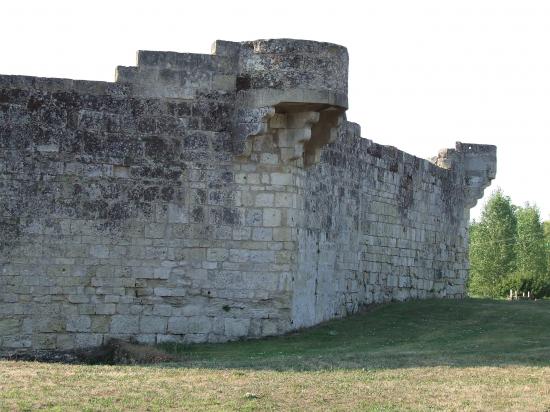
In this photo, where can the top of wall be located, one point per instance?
(259, 77)
(261, 72)
(296, 70)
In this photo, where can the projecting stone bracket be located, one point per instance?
(323, 132)
(303, 134)
(298, 134)
(292, 131)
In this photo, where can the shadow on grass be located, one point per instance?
(470, 332)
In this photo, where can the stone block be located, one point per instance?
(282, 234)
(99, 251)
(88, 340)
(239, 255)
(165, 291)
(152, 324)
(224, 82)
(269, 158)
(192, 309)
(241, 233)
(264, 200)
(196, 338)
(199, 324)
(263, 234)
(161, 272)
(46, 341)
(177, 213)
(236, 327)
(262, 256)
(162, 310)
(48, 324)
(105, 309)
(271, 217)
(10, 327)
(80, 323)
(283, 199)
(281, 179)
(177, 325)
(170, 338)
(155, 230)
(124, 324)
(100, 324)
(65, 341)
(78, 298)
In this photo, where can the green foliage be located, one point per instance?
(492, 253)
(508, 250)
(546, 226)
(536, 283)
(530, 248)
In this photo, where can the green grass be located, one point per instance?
(423, 355)
(471, 332)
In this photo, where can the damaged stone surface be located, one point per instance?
(205, 198)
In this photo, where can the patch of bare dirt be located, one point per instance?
(115, 352)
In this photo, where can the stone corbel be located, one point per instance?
(298, 134)
(292, 131)
(325, 131)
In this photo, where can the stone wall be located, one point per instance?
(213, 197)
(380, 225)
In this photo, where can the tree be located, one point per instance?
(531, 273)
(492, 252)
(530, 243)
(509, 249)
(546, 226)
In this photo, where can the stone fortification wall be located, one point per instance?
(212, 197)
(381, 225)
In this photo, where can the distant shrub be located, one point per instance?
(537, 284)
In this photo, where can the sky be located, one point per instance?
(423, 74)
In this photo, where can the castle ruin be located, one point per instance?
(206, 198)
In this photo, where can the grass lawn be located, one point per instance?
(423, 355)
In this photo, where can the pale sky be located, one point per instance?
(423, 74)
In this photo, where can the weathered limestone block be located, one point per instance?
(124, 325)
(9, 327)
(78, 324)
(237, 327)
(152, 324)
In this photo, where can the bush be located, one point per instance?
(538, 284)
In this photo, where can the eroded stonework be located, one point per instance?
(213, 197)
